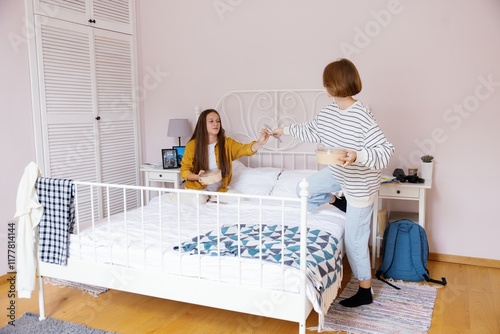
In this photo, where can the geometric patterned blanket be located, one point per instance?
(255, 241)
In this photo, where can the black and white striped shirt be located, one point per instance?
(355, 129)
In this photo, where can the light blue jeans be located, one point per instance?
(322, 185)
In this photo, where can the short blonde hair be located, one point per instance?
(341, 78)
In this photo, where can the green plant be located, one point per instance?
(427, 158)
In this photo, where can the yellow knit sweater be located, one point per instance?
(234, 150)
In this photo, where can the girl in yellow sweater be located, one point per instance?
(210, 149)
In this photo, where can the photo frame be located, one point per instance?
(180, 153)
(169, 158)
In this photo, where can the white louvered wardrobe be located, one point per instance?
(82, 59)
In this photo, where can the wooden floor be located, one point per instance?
(470, 303)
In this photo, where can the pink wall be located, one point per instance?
(425, 66)
(16, 127)
(430, 71)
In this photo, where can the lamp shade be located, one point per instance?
(178, 127)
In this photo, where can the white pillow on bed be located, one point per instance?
(287, 182)
(238, 166)
(253, 181)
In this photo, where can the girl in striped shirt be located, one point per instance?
(350, 125)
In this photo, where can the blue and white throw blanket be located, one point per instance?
(323, 268)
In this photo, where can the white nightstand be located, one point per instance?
(158, 174)
(398, 191)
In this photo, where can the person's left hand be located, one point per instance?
(350, 158)
(264, 136)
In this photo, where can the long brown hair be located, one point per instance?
(200, 136)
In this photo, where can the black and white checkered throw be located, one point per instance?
(56, 196)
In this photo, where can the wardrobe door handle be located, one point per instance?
(398, 192)
(98, 118)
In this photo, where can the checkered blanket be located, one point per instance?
(323, 267)
(56, 196)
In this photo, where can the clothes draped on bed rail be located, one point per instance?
(48, 204)
(28, 213)
(56, 196)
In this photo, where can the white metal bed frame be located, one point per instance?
(278, 110)
(247, 299)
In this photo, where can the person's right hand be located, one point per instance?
(278, 132)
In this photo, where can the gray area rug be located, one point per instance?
(29, 323)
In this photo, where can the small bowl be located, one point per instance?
(211, 176)
(330, 156)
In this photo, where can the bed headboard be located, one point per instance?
(244, 113)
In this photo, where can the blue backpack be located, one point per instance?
(405, 251)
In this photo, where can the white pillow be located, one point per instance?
(287, 182)
(254, 181)
(238, 165)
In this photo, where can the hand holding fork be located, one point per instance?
(272, 133)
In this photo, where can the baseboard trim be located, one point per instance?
(472, 261)
(3, 278)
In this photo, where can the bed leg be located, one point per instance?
(41, 300)
(302, 328)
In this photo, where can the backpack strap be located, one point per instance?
(390, 238)
(387, 282)
(416, 254)
(416, 249)
(388, 252)
(442, 281)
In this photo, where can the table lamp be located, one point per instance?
(178, 127)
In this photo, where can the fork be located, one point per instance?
(271, 130)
